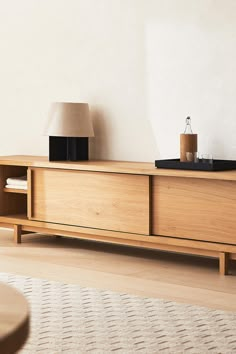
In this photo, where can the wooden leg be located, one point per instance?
(223, 263)
(17, 233)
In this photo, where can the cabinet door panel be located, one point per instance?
(200, 209)
(112, 201)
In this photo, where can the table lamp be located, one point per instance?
(69, 128)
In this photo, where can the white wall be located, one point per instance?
(142, 65)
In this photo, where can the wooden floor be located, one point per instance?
(177, 277)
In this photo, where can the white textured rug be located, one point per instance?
(70, 319)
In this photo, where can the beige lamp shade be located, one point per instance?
(70, 120)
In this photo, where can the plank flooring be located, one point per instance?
(148, 273)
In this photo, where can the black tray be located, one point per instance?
(216, 165)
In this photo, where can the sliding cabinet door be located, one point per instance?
(194, 208)
(111, 201)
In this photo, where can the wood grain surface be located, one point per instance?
(143, 168)
(14, 319)
(118, 202)
(195, 209)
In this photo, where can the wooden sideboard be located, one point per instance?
(129, 203)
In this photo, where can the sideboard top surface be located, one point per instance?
(130, 167)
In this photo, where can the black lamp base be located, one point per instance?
(68, 148)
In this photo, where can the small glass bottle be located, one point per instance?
(188, 143)
(188, 129)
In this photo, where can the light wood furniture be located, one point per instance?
(124, 203)
(95, 199)
(14, 319)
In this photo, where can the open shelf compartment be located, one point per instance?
(12, 201)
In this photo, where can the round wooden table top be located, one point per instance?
(14, 319)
